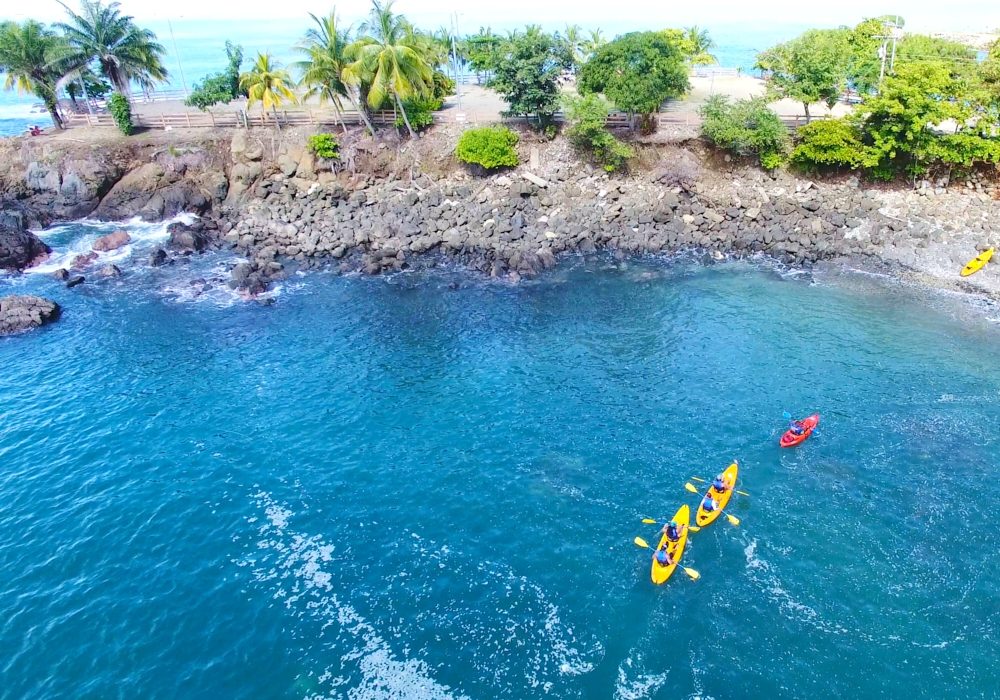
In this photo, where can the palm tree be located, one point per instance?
(701, 43)
(386, 62)
(323, 68)
(574, 37)
(268, 84)
(124, 52)
(26, 56)
(594, 42)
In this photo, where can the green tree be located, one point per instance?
(124, 52)
(574, 37)
(268, 84)
(324, 64)
(637, 72)
(811, 68)
(593, 42)
(525, 73)
(26, 55)
(483, 49)
(745, 128)
(94, 86)
(385, 60)
(220, 88)
(701, 45)
(588, 118)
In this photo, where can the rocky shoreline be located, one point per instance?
(383, 210)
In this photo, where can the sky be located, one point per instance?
(615, 16)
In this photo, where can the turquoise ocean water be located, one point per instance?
(201, 50)
(391, 488)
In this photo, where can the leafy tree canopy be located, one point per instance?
(525, 71)
(810, 68)
(637, 72)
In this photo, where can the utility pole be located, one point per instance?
(454, 58)
(178, 57)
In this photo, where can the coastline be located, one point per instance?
(392, 206)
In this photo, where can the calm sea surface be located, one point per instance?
(389, 488)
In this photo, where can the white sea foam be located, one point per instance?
(643, 685)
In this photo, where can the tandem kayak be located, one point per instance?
(675, 549)
(977, 263)
(790, 439)
(729, 476)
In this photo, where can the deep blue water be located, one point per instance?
(388, 488)
(201, 51)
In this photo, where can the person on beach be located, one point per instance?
(672, 531)
(709, 504)
(663, 557)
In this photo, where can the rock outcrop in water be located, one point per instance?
(22, 313)
(20, 249)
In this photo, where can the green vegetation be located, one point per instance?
(811, 68)
(746, 128)
(26, 54)
(420, 112)
(831, 143)
(490, 147)
(588, 117)
(220, 88)
(525, 69)
(637, 72)
(94, 87)
(121, 110)
(268, 84)
(323, 146)
(125, 53)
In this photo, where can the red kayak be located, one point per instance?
(790, 439)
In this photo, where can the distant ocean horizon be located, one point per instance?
(200, 48)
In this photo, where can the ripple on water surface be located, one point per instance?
(387, 488)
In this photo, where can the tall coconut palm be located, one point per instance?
(268, 84)
(324, 63)
(384, 60)
(124, 52)
(700, 44)
(27, 52)
(595, 41)
(574, 37)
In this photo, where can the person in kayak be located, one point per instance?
(720, 484)
(673, 531)
(709, 504)
(796, 427)
(663, 557)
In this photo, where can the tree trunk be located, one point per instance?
(54, 113)
(361, 112)
(277, 123)
(336, 111)
(808, 116)
(406, 119)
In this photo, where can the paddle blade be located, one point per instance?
(691, 488)
(742, 493)
(733, 519)
(694, 478)
(692, 573)
(641, 542)
(787, 415)
(648, 521)
(694, 528)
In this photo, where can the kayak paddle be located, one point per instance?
(694, 478)
(733, 520)
(692, 528)
(690, 572)
(787, 415)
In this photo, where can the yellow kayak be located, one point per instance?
(977, 263)
(675, 549)
(729, 477)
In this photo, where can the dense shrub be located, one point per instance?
(121, 110)
(488, 146)
(420, 112)
(588, 117)
(831, 143)
(442, 85)
(219, 88)
(324, 146)
(746, 128)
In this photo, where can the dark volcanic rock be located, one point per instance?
(157, 257)
(110, 271)
(188, 238)
(62, 274)
(82, 261)
(20, 249)
(21, 313)
(74, 281)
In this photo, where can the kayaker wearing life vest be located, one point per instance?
(796, 427)
(720, 484)
(709, 504)
(673, 531)
(663, 557)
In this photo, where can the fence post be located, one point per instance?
(213, 118)
(163, 119)
(187, 115)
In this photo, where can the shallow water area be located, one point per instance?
(390, 488)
